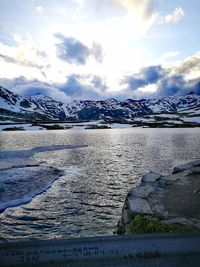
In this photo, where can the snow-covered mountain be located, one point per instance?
(14, 107)
(17, 108)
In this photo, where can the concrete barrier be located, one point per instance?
(138, 250)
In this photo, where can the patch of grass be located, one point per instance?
(150, 224)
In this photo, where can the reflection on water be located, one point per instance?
(88, 199)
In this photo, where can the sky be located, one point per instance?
(99, 49)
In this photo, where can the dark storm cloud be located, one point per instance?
(73, 51)
(98, 83)
(177, 85)
(74, 87)
(177, 79)
(147, 75)
(171, 85)
(168, 81)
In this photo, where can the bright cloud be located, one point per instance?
(173, 17)
(93, 48)
(170, 54)
(24, 54)
(144, 8)
(40, 9)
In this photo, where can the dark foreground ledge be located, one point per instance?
(139, 250)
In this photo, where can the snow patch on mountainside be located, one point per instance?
(42, 108)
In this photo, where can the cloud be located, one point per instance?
(140, 14)
(40, 9)
(174, 79)
(83, 86)
(146, 76)
(97, 52)
(170, 54)
(25, 87)
(174, 17)
(23, 62)
(73, 51)
(177, 85)
(24, 54)
(75, 87)
(112, 8)
(189, 65)
(144, 7)
(80, 2)
(98, 83)
(171, 85)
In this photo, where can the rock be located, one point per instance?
(156, 204)
(179, 220)
(54, 127)
(178, 178)
(194, 170)
(186, 166)
(138, 205)
(151, 177)
(49, 127)
(196, 191)
(14, 129)
(141, 191)
(95, 126)
(68, 127)
(126, 215)
(166, 197)
(162, 183)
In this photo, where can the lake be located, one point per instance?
(98, 170)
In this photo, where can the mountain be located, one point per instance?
(14, 107)
(17, 108)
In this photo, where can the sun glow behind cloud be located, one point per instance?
(39, 9)
(108, 38)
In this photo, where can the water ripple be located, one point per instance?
(88, 198)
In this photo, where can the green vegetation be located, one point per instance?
(150, 224)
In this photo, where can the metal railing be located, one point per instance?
(138, 250)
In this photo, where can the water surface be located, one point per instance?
(99, 169)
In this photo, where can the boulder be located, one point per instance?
(151, 177)
(141, 191)
(14, 129)
(138, 205)
(186, 166)
(159, 196)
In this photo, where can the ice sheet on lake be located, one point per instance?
(17, 162)
(22, 177)
(31, 152)
(18, 187)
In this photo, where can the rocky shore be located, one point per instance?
(164, 203)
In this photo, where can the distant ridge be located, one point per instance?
(14, 107)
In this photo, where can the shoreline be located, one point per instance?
(22, 127)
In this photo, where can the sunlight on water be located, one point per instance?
(87, 199)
